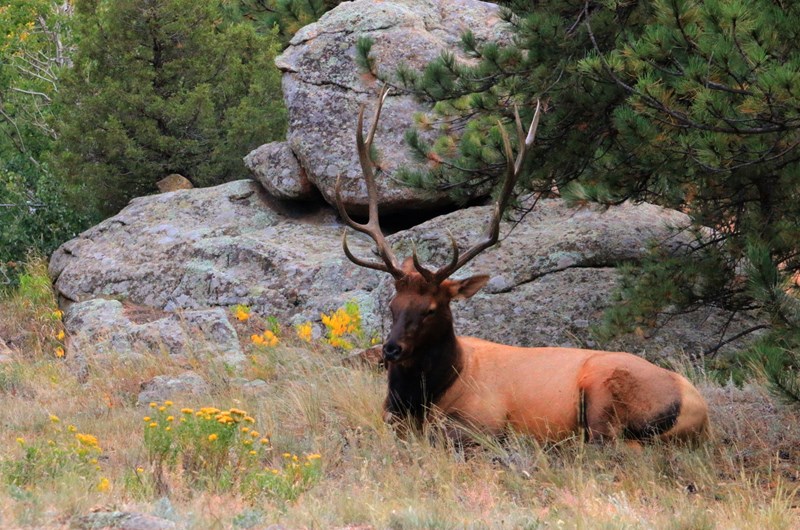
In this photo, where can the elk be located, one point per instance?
(548, 393)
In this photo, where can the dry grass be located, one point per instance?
(746, 477)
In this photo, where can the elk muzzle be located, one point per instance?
(392, 351)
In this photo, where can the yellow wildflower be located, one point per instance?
(59, 352)
(140, 469)
(270, 339)
(54, 418)
(162, 408)
(241, 312)
(21, 440)
(168, 403)
(58, 313)
(265, 441)
(147, 418)
(247, 442)
(255, 434)
(72, 428)
(87, 440)
(170, 418)
(153, 425)
(212, 437)
(153, 404)
(104, 485)
(245, 429)
(258, 340)
(60, 335)
(304, 331)
(253, 452)
(187, 411)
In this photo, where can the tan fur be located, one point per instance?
(537, 391)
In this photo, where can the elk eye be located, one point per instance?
(430, 311)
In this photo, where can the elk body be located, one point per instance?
(548, 393)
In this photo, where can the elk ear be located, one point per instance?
(461, 289)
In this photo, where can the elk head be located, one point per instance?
(420, 309)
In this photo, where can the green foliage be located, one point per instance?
(35, 46)
(31, 304)
(691, 105)
(363, 57)
(34, 216)
(777, 359)
(287, 16)
(35, 42)
(160, 88)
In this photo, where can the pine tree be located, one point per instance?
(162, 87)
(287, 16)
(692, 105)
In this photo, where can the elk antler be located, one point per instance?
(372, 227)
(513, 169)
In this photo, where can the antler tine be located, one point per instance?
(428, 275)
(376, 265)
(513, 170)
(372, 227)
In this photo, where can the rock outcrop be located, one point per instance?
(213, 247)
(164, 387)
(324, 87)
(217, 247)
(108, 326)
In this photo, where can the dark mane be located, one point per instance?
(414, 388)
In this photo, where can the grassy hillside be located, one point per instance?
(310, 450)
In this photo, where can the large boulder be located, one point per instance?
(214, 247)
(323, 88)
(276, 168)
(552, 276)
(109, 326)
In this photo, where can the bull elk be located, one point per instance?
(549, 393)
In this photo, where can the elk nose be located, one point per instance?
(391, 351)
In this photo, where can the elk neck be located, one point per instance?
(417, 384)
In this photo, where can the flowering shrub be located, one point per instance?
(344, 322)
(61, 452)
(216, 449)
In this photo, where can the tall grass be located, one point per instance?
(313, 404)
